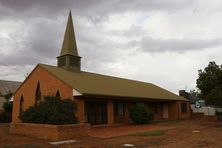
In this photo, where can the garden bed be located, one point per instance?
(50, 132)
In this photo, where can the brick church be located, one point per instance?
(101, 99)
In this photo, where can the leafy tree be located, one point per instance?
(6, 115)
(8, 96)
(140, 113)
(195, 93)
(209, 83)
(51, 111)
(7, 106)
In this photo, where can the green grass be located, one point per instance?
(172, 122)
(151, 133)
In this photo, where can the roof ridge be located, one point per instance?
(89, 82)
(104, 75)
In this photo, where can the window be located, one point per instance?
(21, 107)
(119, 109)
(183, 107)
(38, 94)
(58, 95)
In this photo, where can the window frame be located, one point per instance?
(118, 109)
(38, 94)
(21, 106)
(58, 94)
(183, 107)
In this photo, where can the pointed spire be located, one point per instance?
(69, 58)
(69, 41)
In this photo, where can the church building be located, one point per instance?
(101, 99)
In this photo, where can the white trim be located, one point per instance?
(76, 93)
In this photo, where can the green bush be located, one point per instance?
(140, 113)
(51, 111)
(219, 116)
(5, 117)
(8, 96)
(7, 106)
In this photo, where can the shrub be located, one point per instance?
(5, 117)
(51, 111)
(7, 107)
(219, 116)
(140, 113)
(8, 96)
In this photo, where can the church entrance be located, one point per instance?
(96, 112)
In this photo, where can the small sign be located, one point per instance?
(197, 104)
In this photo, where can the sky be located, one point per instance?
(157, 41)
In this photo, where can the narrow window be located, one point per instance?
(38, 94)
(183, 107)
(58, 95)
(21, 107)
(118, 109)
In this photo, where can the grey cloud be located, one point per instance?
(148, 44)
(38, 43)
(92, 9)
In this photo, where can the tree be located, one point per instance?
(195, 93)
(209, 83)
(6, 115)
(8, 105)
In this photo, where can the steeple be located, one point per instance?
(69, 58)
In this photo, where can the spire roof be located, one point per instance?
(69, 42)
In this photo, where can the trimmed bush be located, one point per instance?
(51, 111)
(7, 106)
(5, 117)
(219, 116)
(140, 114)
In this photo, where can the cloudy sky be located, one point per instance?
(157, 41)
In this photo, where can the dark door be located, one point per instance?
(96, 112)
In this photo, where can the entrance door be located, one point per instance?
(96, 112)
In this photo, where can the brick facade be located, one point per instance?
(201, 116)
(50, 132)
(49, 85)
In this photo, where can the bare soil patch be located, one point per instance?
(176, 134)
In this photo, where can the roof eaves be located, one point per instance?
(143, 98)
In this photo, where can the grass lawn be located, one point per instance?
(150, 133)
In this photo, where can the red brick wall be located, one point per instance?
(110, 119)
(48, 85)
(173, 112)
(125, 118)
(50, 132)
(80, 114)
(184, 115)
(201, 116)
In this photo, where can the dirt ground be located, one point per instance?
(178, 134)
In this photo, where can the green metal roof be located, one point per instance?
(97, 84)
(69, 43)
